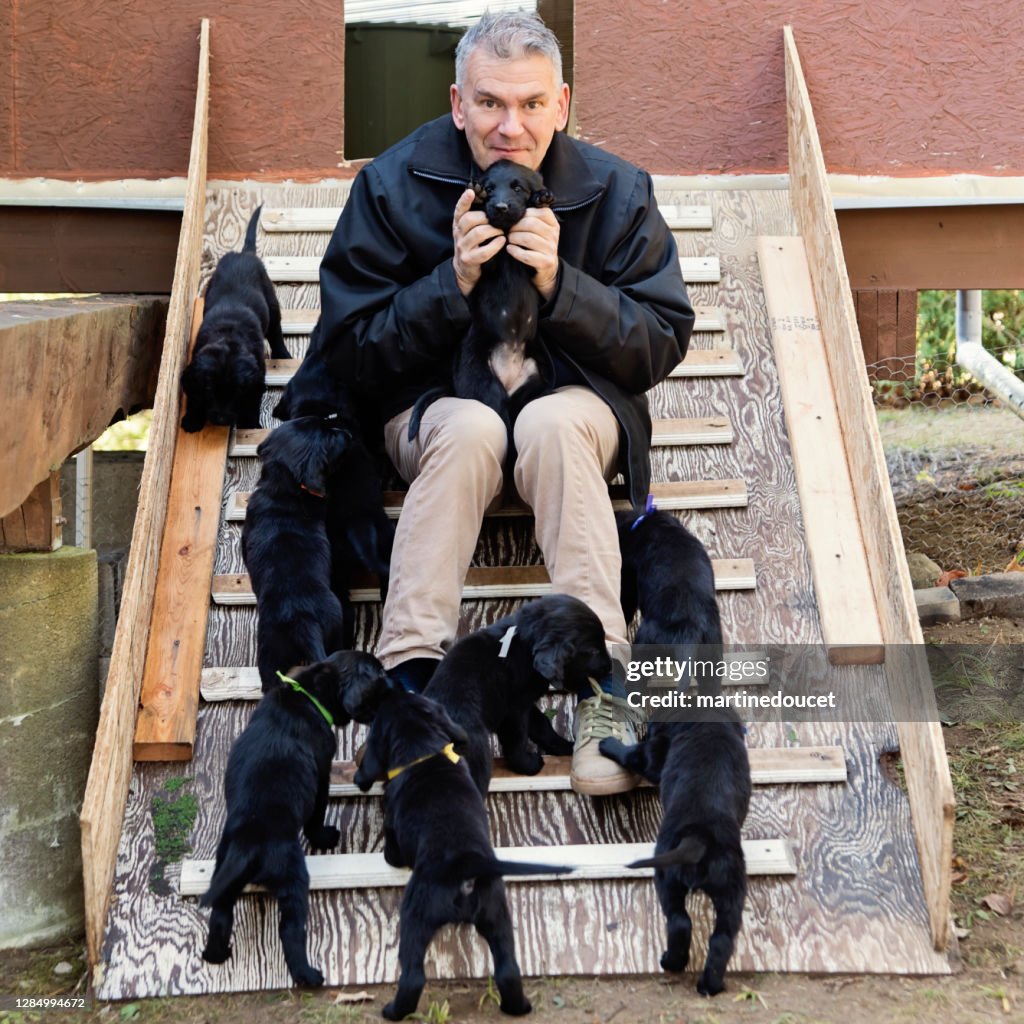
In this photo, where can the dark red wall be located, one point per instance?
(898, 88)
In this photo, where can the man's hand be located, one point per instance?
(476, 241)
(534, 241)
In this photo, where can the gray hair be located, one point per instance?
(508, 35)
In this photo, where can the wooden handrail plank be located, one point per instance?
(299, 269)
(593, 861)
(169, 701)
(681, 494)
(929, 787)
(484, 583)
(835, 545)
(110, 773)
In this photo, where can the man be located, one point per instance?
(615, 320)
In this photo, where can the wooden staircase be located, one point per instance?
(751, 447)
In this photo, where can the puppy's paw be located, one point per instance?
(364, 780)
(325, 838)
(673, 962)
(516, 1007)
(527, 762)
(308, 977)
(390, 1012)
(613, 748)
(192, 426)
(559, 746)
(215, 953)
(710, 984)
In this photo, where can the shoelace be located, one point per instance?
(604, 716)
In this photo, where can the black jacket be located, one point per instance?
(392, 314)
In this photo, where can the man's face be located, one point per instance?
(509, 109)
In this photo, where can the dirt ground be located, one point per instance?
(988, 906)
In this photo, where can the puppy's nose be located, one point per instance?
(501, 207)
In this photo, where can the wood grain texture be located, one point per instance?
(37, 524)
(856, 903)
(106, 792)
(928, 782)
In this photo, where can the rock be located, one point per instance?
(1000, 593)
(923, 571)
(63, 968)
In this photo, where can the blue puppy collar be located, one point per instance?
(648, 509)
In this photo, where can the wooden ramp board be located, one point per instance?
(484, 584)
(325, 219)
(803, 765)
(710, 319)
(709, 362)
(165, 728)
(842, 582)
(696, 494)
(703, 430)
(371, 871)
(243, 682)
(291, 269)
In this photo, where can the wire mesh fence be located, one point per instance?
(955, 458)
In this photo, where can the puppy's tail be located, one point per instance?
(690, 851)
(231, 875)
(250, 231)
(425, 400)
(477, 865)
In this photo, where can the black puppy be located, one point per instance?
(496, 361)
(667, 573)
(286, 549)
(490, 681)
(224, 380)
(277, 782)
(703, 772)
(435, 823)
(359, 531)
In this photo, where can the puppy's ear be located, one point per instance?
(542, 197)
(363, 690)
(281, 411)
(310, 468)
(551, 656)
(453, 730)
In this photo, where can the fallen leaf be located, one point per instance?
(958, 877)
(946, 577)
(999, 902)
(351, 997)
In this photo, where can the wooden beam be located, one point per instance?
(68, 368)
(682, 494)
(295, 269)
(483, 584)
(842, 582)
(594, 860)
(924, 247)
(110, 774)
(169, 701)
(929, 787)
(301, 321)
(38, 524)
(704, 430)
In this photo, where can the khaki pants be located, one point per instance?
(567, 445)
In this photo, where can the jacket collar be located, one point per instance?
(442, 152)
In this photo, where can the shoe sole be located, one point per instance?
(604, 787)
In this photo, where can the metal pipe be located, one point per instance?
(972, 357)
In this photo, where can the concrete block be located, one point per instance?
(49, 708)
(937, 604)
(1000, 593)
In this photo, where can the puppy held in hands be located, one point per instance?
(435, 823)
(224, 380)
(702, 771)
(286, 548)
(496, 362)
(490, 681)
(360, 533)
(276, 784)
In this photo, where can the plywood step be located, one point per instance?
(371, 871)
(702, 430)
(325, 218)
(710, 319)
(484, 584)
(694, 494)
(695, 269)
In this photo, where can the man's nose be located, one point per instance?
(510, 123)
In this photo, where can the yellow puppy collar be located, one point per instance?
(448, 751)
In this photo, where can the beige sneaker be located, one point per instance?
(595, 718)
